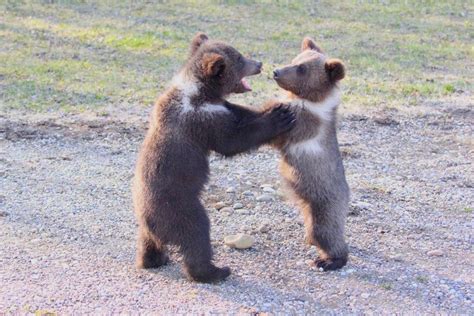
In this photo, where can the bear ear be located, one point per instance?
(308, 43)
(212, 64)
(335, 69)
(198, 40)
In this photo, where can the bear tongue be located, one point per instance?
(246, 84)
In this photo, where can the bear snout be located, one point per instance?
(276, 73)
(257, 67)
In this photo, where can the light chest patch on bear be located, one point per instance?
(310, 146)
(324, 111)
(189, 88)
(213, 108)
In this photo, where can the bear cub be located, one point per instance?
(311, 163)
(188, 121)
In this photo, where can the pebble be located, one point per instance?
(365, 295)
(238, 205)
(227, 209)
(230, 190)
(268, 190)
(435, 253)
(239, 241)
(219, 205)
(247, 193)
(397, 257)
(264, 228)
(265, 198)
(357, 207)
(242, 211)
(3, 214)
(281, 194)
(363, 205)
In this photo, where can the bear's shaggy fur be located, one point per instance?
(188, 121)
(312, 165)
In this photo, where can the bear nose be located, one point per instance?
(276, 73)
(259, 65)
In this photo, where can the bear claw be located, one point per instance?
(330, 263)
(210, 275)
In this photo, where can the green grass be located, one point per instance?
(77, 55)
(422, 279)
(386, 286)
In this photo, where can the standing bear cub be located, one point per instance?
(311, 162)
(188, 121)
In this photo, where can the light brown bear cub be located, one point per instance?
(311, 162)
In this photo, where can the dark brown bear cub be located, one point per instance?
(312, 165)
(188, 121)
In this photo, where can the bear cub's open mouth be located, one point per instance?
(245, 84)
(251, 68)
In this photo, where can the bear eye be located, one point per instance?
(301, 69)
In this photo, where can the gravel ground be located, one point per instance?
(67, 237)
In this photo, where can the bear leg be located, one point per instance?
(150, 253)
(325, 229)
(196, 248)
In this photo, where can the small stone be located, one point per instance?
(239, 241)
(312, 252)
(264, 198)
(268, 190)
(365, 295)
(281, 194)
(238, 205)
(266, 185)
(230, 190)
(397, 257)
(219, 205)
(264, 228)
(227, 209)
(435, 253)
(358, 207)
(242, 211)
(363, 205)
(3, 213)
(247, 193)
